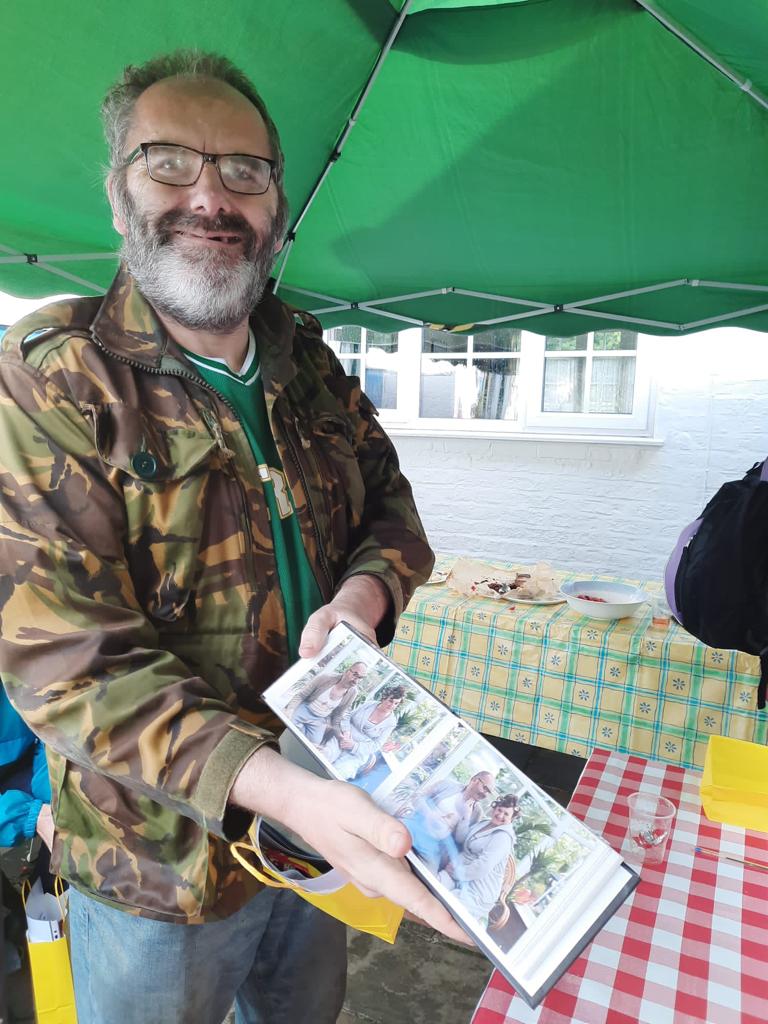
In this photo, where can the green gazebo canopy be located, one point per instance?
(561, 165)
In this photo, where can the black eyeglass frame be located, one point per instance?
(208, 158)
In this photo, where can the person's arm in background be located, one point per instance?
(19, 813)
(23, 814)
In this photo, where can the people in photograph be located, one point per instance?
(324, 702)
(177, 526)
(370, 726)
(440, 810)
(477, 875)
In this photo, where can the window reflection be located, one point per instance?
(485, 389)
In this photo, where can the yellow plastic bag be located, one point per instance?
(330, 893)
(734, 785)
(49, 956)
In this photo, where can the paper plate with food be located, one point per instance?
(519, 586)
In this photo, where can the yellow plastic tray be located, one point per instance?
(734, 786)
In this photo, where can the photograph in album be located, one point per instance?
(526, 879)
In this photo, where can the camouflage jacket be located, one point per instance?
(140, 617)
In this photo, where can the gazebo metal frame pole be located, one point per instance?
(14, 256)
(577, 307)
(342, 140)
(744, 84)
(70, 257)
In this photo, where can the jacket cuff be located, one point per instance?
(218, 776)
(29, 827)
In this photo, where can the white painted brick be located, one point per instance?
(598, 507)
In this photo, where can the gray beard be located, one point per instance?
(205, 290)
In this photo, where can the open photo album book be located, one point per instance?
(526, 879)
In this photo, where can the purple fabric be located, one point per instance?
(674, 561)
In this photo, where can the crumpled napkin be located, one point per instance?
(480, 579)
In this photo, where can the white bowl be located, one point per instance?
(618, 599)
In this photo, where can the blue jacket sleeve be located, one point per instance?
(19, 810)
(18, 816)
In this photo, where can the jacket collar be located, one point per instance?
(127, 327)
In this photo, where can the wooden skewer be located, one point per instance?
(760, 865)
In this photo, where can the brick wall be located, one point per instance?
(602, 507)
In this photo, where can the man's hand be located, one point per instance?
(362, 601)
(44, 826)
(345, 826)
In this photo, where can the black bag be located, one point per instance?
(716, 579)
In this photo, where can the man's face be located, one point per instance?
(199, 253)
(353, 674)
(480, 786)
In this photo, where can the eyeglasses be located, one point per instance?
(180, 166)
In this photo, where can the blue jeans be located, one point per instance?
(278, 959)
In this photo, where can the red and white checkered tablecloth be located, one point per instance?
(691, 943)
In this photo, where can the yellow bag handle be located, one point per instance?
(375, 915)
(272, 881)
(58, 892)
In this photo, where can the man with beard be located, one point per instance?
(193, 493)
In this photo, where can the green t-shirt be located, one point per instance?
(244, 391)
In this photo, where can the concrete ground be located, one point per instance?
(424, 978)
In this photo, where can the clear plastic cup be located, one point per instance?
(661, 615)
(650, 822)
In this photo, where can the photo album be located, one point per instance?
(526, 879)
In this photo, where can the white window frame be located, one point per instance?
(638, 422)
(532, 422)
(452, 424)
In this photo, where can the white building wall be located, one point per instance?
(603, 507)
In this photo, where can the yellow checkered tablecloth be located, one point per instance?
(544, 675)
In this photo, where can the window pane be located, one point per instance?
(386, 342)
(563, 385)
(381, 369)
(495, 389)
(345, 339)
(577, 344)
(613, 385)
(611, 341)
(381, 387)
(504, 339)
(351, 366)
(486, 390)
(441, 385)
(442, 341)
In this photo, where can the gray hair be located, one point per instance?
(118, 105)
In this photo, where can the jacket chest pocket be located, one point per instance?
(338, 470)
(165, 479)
